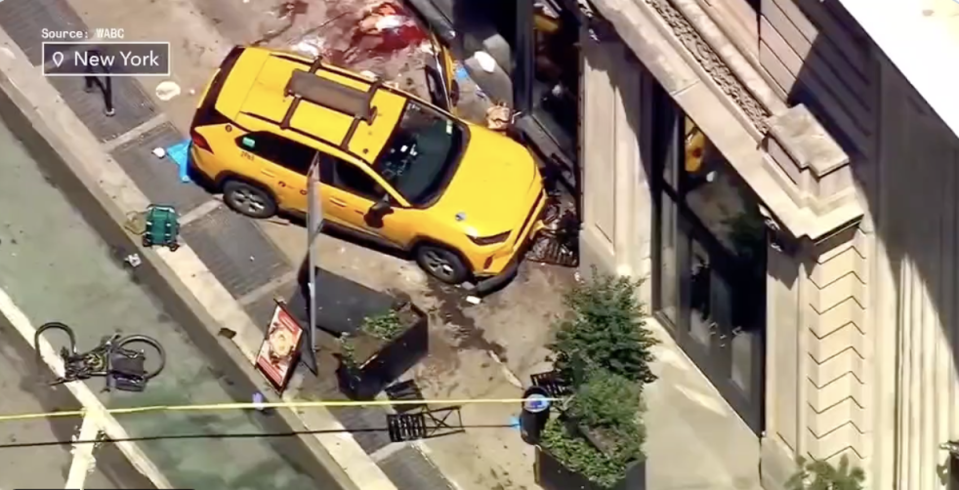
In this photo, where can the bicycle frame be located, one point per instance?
(122, 367)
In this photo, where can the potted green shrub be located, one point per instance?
(384, 348)
(602, 349)
(815, 474)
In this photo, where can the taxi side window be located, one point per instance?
(348, 177)
(279, 150)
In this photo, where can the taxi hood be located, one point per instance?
(495, 185)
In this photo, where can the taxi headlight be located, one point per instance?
(490, 240)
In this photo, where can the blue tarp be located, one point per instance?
(180, 154)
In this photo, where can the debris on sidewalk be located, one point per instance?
(136, 222)
(362, 35)
(558, 243)
(159, 152)
(287, 13)
(180, 154)
(133, 260)
(499, 117)
(167, 90)
(485, 61)
(474, 300)
(258, 401)
(311, 46)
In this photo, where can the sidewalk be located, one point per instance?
(233, 269)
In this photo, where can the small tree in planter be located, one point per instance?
(384, 348)
(817, 474)
(604, 328)
(600, 433)
(602, 350)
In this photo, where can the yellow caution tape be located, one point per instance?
(260, 406)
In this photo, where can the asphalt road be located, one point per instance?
(61, 260)
(37, 454)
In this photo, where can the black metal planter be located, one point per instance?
(377, 363)
(551, 474)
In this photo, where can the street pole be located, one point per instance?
(314, 222)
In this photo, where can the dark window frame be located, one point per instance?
(331, 168)
(281, 158)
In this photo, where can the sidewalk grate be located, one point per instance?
(132, 105)
(261, 310)
(24, 20)
(158, 178)
(234, 250)
(410, 470)
(366, 424)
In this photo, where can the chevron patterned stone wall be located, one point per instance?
(837, 372)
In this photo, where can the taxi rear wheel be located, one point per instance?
(248, 200)
(442, 263)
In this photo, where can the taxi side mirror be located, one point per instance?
(381, 207)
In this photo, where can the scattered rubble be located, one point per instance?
(167, 90)
(133, 260)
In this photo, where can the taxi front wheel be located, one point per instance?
(248, 200)
(441, 263)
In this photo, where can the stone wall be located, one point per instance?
(617, 208)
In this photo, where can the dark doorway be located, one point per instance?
(556, 72)
(710, 262)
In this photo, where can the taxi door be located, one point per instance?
(350, 199)
(441, 77)
(280, 164)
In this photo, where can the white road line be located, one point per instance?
(386, 451)
(200, 211)
(83, 460)
(95, 409)
(135, 133)
(261, 292)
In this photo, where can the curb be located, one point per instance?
(192, 282)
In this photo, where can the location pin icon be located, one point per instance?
(58, 59)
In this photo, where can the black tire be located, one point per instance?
(160, 352)
(442, 263)
(248, 199)
(55, 326)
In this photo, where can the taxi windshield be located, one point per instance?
(421, 155)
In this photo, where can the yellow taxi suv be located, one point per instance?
(406, 173)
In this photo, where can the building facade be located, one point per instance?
(844, 341)
(792, 199)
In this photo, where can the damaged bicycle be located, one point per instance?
(122, 366)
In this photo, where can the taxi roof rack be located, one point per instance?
(307, 85)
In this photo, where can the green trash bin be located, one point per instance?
(162, 227)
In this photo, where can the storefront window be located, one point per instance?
(556, 72)
(719, 198)
(710, 275)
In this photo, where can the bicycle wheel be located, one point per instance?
(55, 326)
(154, 343)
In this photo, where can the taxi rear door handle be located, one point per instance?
(338, 202)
